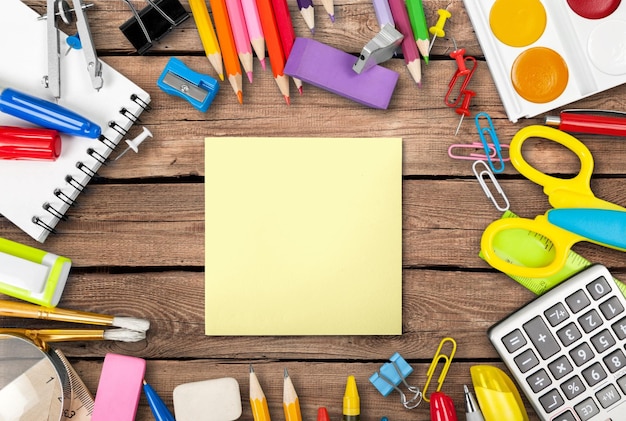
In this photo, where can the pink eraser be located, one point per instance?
(331, 69)
(119, 388)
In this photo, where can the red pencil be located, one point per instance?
(286, 31)
(274, 46)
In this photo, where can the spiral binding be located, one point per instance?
(101, 157)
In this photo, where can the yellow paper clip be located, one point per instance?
(447, 360)
(480, 175)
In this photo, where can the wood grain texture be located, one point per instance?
(136, 237)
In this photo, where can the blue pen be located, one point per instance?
(159, 410)
(46, 114)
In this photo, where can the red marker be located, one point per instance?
(441, 407)
(579, 122)
(32, 144)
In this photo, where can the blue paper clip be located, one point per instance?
(491, 131)
(197, 88)
(390, 376)
(446, 359)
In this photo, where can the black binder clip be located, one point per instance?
(152, 22)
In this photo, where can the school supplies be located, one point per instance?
(135, 142)
(562, 193)
(442, 407)
(36, 195)
(610, 123)
(602, 226)
(438, 29)
(417, 18)
(329, 6)
(485, 128)
(225, 37)
(207, 34)
(389, 377)
(240, 35)
(157, 406)
(351, 401)
(334, 195)
(571, 55)
(472, 411)
(467, 151)
(565, 348)
(119, 388)
(308, 13)
(331, 69)
(291, 403)
(482, 174)
(285, 31)
(255, 31)
(46, 114)
(440, 357)
(29, 143)
(208, 400)
(458, 84)
(54, 388)
(408, 45)
(258, 401)
(527, 248)
(31, 274)
(92, 64)
(196, 88)
(379, 49)
(497, 395)
(383, 13)
(322, 414)
(152, 22)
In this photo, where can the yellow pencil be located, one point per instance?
(207, 35)
(258, 402)
(291, 404)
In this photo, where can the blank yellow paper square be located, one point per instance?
(303, 236)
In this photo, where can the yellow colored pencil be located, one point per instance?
(291, 404)
(258, 402)
(207, 35)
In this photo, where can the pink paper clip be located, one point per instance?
(472, 156)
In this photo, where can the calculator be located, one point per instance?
(566, 349)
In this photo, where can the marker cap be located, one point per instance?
(29, 143)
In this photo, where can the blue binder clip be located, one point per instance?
(390, 376)
(197, 88)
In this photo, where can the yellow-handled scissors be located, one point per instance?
(562, 193)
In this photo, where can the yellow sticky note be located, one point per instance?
(303, 236)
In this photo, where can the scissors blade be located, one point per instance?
(602, 226)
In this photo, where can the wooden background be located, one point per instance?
(136, 240)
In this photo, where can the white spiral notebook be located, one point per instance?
(35, 195)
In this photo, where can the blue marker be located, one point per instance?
(46, 114)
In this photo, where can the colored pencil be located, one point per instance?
(240, 34)
(207, 35)
(409, 46)
(227, 44)
(308, 13)
(420, 27)
(258, 401)
(383, 13)
(285, 30)
(255, 32)
(329, 6)
(291, 403)
(274, 46)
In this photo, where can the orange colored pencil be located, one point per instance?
(227, 45)
(274, 46)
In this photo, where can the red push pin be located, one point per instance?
(463, 110)
(459, 56)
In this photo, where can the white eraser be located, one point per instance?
(208, 400)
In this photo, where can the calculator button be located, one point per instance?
(590, 321)
(526, 360)
(541, 337)
(611, 308)
(615, 361)
(594, 374)
(598, 288)
(565, 416)
(569, 334)
(573, 387)
(577, 301)
(608, 396)
(556, 314)
(560, 367)
(622, 383)
(551, 401)
(581, 354)
(539, 381)
(514, 340)
(603, 341)
(587, 409)
(620, 328)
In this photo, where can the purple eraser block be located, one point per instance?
(331, 69)
(119, 388)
